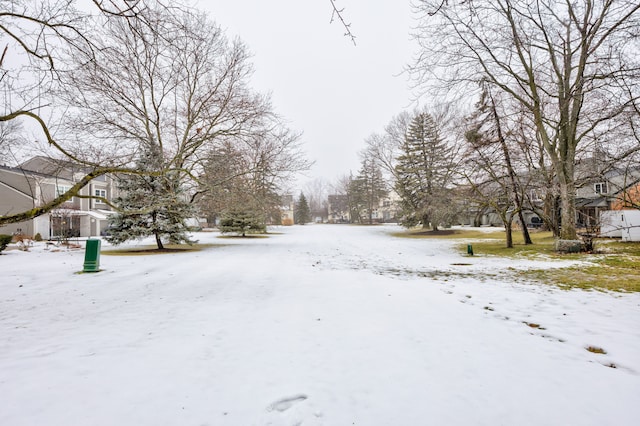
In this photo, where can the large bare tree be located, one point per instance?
(35, 41)
(571, 65)
(172, 82)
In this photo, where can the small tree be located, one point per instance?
(302, 213)
(151, 204)
(242, 222)
(491, 151)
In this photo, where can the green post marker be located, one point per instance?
(92, 256)
(469, 249)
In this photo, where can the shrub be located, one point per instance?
(242, 223)
(4, 241)
(37, 237)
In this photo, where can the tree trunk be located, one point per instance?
(525, 231)
(567, 210)
(425, 221)
(512, 177)
(159, 241)
(508, 226)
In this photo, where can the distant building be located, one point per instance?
(287, 210)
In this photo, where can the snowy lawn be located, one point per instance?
(316, 325)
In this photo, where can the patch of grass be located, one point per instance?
(153, 250)
(588, 277)
(596, 350)
(615, 266)
(450, 234)
(497, 246)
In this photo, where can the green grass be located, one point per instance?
(153, 249)
(450, 234)
(615, 266)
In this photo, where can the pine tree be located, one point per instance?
(368, 188)
(153, 203)
(424, 172)
(302, 213)
(242, 222)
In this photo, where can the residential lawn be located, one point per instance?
(613, 266)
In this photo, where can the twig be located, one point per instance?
(338, 13)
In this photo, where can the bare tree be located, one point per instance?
(36, 40)
(495, 166)
(248, 172)
(386, 147)
(316, 192)
(171, 82)
(11, 139)
(489, 129)
(573, 66)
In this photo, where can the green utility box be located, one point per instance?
(92, 256)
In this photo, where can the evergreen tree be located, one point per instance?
(424, 172)
(302, 213)
(242, 222)
(367, 189)
(151, 204)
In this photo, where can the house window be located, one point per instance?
(62, 189)
(100, 193)
(600, 187)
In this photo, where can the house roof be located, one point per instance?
(24, 171)
(53, 166)
(592, 202)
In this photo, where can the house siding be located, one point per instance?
(23, 188)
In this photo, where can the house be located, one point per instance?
(40, 180)
(613, 190)
(287, 209)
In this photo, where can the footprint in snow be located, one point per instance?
(285, 403)
(295, 410)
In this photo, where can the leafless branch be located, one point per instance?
(337, 14)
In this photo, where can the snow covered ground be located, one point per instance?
(317, 325)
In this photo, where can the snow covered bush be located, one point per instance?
(241, 223)
(4, 241)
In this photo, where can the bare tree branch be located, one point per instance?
(338, 14)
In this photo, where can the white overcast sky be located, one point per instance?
(323, 85)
